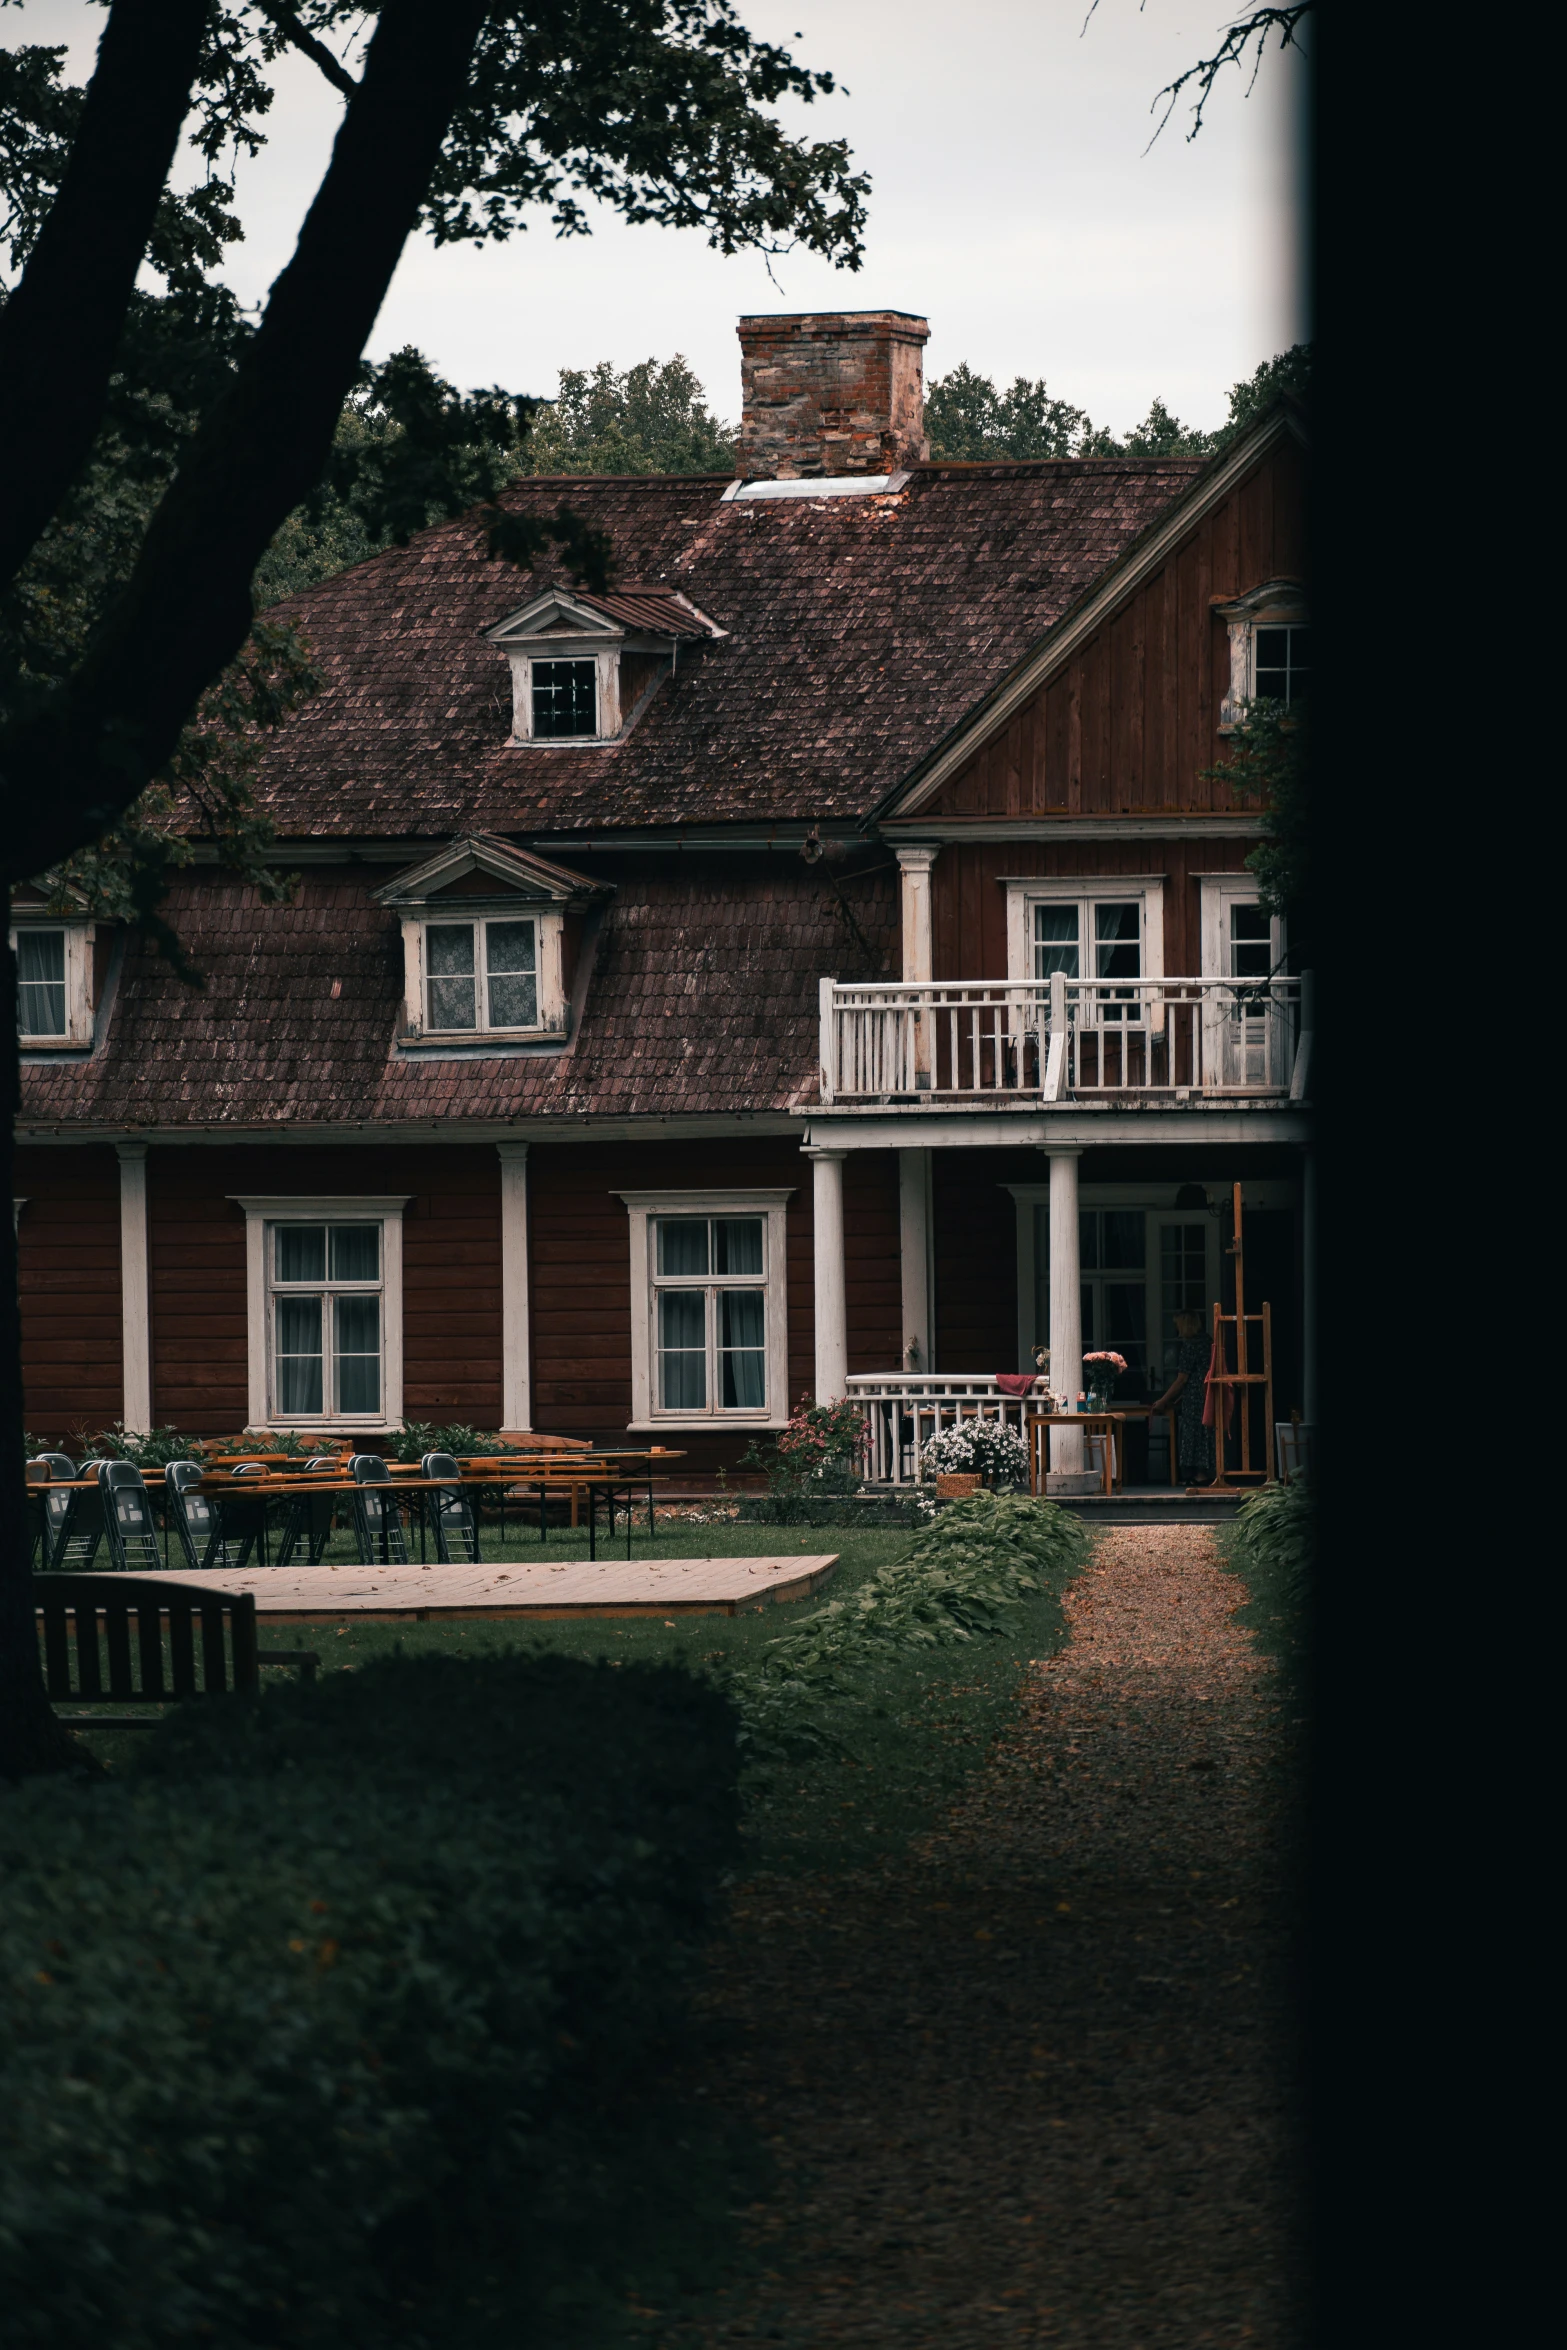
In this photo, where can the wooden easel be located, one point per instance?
(1242, 1376)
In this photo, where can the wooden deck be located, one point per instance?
(580, 1587)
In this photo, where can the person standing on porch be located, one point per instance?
(1194, 1442)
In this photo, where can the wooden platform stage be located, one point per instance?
(607, 1587)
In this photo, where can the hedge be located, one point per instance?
(347, 2018)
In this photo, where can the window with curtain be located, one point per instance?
(325, 1293)
(481, 975)
(40, 983)
(1093, 938)
(709, 1280)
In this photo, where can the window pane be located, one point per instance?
(1125, 1238)
(1126, 1328)
(682, 1350)
(742, 1343)
(565, 698)
(1055, 941)
(356, 1252)
(449, 953)
(40, 974)
(1183, 1281)
(300, 1252)
(1249, 922)
(737, 1244)
(1088, 1239)
(682, 1244)
(1116, 949)
(1251, 949)
(298, 1331)
(513, 984)
(356, 1336)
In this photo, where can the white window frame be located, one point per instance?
(549, 923)
(262, 1209)
(643, 1207)
(1083, 890)
(1279, 605)
(606, 661)
(78, 937)
(1219, 892)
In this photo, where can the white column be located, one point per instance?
(1066, 1303)
(516, 1396)
(1308, 1214)
(914, 1250)
(135, 1288)
(918, 940)
(832, 1305)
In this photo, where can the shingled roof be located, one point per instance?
(859, 630)
(701, 999)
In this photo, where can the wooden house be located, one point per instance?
(696, 996)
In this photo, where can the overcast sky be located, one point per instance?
(1012, 204)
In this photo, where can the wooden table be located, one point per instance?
(1145, 1411)
(1090, 1423)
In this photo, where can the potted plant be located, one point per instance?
(986, 1451)
(1101, 1370)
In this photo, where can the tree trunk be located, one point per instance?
(31, 1737)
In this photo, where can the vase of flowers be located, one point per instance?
(1100, 1373)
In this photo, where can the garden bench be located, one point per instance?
(125, 1621)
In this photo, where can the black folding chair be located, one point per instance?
(308, 1526)
(79, 1527)
(378, 1521)
(128, 1520)
(197, 1524)
(451, 1513)
(58, 1468)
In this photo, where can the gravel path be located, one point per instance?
(1028, 2082)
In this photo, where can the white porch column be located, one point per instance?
(1066, 1303)
(135, 1288)
(832, 1305)
(516, 1397)
(918, 938)
(914, 1252)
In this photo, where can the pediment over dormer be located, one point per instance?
(481, 866)
(651, 616)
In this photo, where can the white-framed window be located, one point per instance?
(482, 970)
(709, 1330)
(1141, 1261)
(324, 1310)
(1102, 930)
(1270, 648)
(53, 982)
(1239, 940)
(564, 699)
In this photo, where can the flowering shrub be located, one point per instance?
(823, 1443)
(985, 1448)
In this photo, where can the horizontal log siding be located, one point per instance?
(68, 1249)
(581, 1270)
(969, 905)
(1130, 723)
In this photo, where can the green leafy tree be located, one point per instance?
(653, 418)
(970, 421)
(1269, 759)
(467, 119)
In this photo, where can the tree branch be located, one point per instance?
(1255, 25)
(277, 12)
(61, 327)
(186, 610)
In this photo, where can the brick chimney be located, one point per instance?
(834, 391)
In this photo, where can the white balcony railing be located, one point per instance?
(905, 1409)
(994, 1043)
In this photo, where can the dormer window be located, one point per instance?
(53, 983)
(1269, 648)
(565, 700)
(484, 945)
(583, 668)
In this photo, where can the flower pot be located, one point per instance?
(956, 1484)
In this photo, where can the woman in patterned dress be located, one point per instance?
(1189, 1391)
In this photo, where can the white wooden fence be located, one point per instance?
(905, 1410)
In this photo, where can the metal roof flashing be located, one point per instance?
(827, 485)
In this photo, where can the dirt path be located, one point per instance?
(1028, 2082)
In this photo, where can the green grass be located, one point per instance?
(911, 1734)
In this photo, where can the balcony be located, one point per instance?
(1015, 1044)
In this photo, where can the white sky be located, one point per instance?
(1012, 204)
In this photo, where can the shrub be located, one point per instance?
(984, 1448)
(343, 2020)
(821, 1446)
(151, 1449)
(417, 1437)
(1272, 1545)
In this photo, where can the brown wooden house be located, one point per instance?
(823, 963)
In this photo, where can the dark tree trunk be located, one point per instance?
(186, 609)
(31, 1739)
(60, 328)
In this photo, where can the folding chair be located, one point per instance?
(377, 1519)
(79, 1527)
(58, 1468)
(308, 1526)
(128, 1520)
(451, 1512)
(198, 1525)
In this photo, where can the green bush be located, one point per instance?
(346, 2018)
(1272, 1546)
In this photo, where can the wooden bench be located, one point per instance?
(125, 1620)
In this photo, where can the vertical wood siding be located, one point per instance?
(68, 1246)
(1130, 723)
